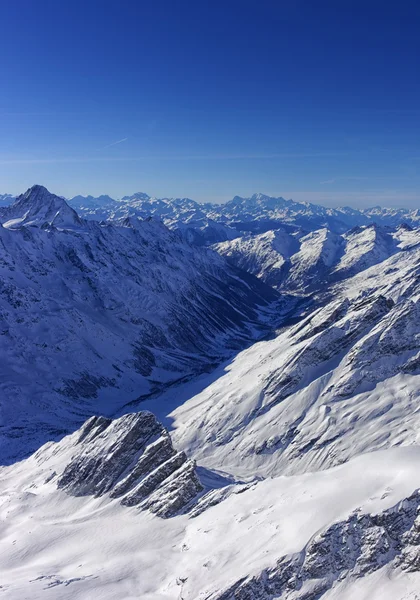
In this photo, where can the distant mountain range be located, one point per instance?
(211, 223)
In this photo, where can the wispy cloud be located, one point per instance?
(399, 111)
(209, 157)
(384, 197)
(331, 181)
(114, 143)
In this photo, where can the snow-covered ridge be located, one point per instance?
(320, 535)
(302, 262)
(92, 316)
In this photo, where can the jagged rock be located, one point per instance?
(131, 458)
(350, 549)
(38, 207)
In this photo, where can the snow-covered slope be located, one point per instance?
(93, 316)
(329, 534)
(342, 381)
(305, 263)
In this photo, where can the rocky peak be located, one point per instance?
(37, 206)
(131, 458)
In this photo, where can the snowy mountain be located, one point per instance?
(257, 214)
(263, 210)
(139, 204)
(39, 208)
(252, 413)
(348, 532)
(206, 224)
(179, 214)
(300, 263)
(95, 315)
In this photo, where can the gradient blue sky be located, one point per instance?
(318, 101)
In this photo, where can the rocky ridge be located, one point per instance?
(131, 458)
(346, 551)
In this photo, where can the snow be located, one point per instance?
(341, 382)
(301, 434)
(56, 546)
(92, 316)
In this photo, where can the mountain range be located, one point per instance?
(214, 402)
(205, 223)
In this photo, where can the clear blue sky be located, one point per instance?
(314, 100)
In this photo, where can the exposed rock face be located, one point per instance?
(348, 550)
(38, 207)
(131, 458)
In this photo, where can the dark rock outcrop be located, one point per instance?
(347, 550)
(131, 458)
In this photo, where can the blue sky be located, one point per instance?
(318, 101)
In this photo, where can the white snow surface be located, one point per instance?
(56, 546)
(343, 381)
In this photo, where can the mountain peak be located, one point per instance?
(37, 207)
(136, 196)
(36, 191)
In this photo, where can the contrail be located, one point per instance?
(115, 143)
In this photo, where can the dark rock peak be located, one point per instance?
(131, 458)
